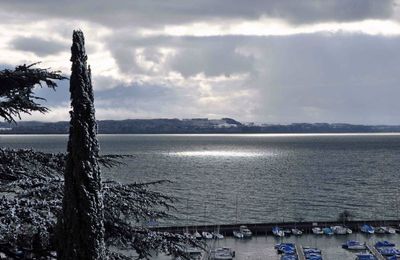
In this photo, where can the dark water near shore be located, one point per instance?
(269, 177)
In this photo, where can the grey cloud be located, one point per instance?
(144, 100)
(39, 46)
(125, 59)
(144, 13)
(301, 78)
(348, 78)
(212, 56)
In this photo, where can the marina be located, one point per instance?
(265, 245)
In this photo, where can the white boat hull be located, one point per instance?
(237, 234)
(317, 231)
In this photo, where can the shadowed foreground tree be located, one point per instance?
(81, 222)
(32, 189)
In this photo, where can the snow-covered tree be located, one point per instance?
(81, 222)
(32, 187)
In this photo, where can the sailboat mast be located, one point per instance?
(236, 208)
(187, 215)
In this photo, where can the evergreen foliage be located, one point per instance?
(35, 186)
(16, 90)
(31, 184)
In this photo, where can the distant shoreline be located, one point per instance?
(196, 126)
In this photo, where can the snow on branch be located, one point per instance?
(16, 90)
(31, 191)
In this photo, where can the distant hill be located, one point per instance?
(195, 125)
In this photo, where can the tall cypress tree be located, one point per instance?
(81, 224)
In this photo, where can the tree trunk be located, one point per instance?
(81, 224)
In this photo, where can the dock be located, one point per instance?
(266, 228)
(300, 252)
(375, 252)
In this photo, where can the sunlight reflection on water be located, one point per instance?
(219, 154)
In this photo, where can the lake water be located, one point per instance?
(222, 179)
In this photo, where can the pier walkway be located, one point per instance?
(375, 252)
(300, 252)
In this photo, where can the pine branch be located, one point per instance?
(33, 186)
(16, 90)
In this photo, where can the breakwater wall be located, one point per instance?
(266, 228)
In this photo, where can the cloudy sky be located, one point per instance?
(273, 61)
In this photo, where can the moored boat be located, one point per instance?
(380, 230)
(327, 231)
(297, 232)
(317, 231)
(389, 251)
(287, 232)
(384, 244)
(367, 229)
(237, 234)
(217, 235)
(206, 235)
(193, 253)
(278, 232)
(354, 245)
(390, 230)
(385, 230)
(339, 230)
(365, 256)
(197, 235)
(222, 253)
(312, 253)
(289, 257)
(245, 231)
(286, 248)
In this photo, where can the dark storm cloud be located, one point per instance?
(137, 13)
(38, 46)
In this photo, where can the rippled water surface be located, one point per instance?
(257, 178)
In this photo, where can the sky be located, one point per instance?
(265, 61)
